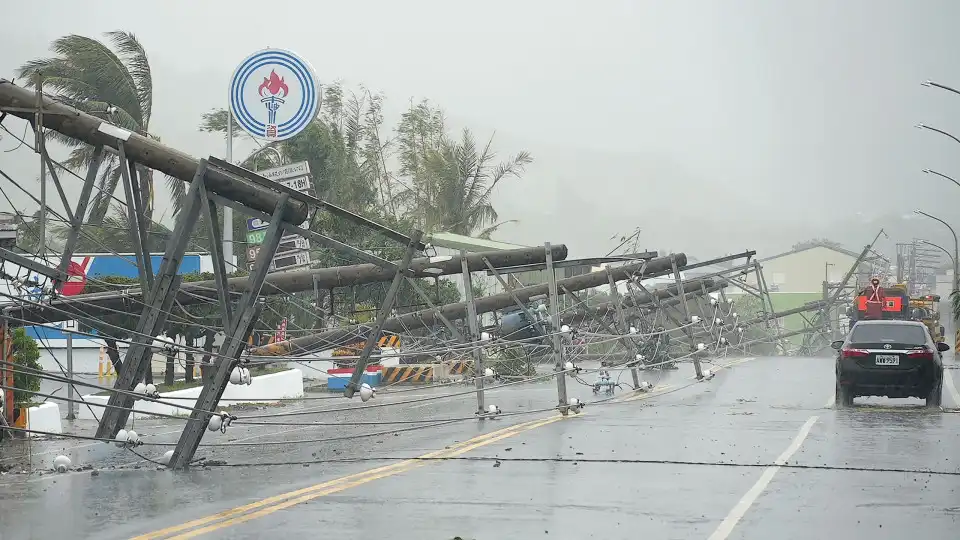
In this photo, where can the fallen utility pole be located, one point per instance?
(809, 306)
(87, 128)
(87, 307)
(667, 296)
(427, 318)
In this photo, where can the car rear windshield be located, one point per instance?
(888, 333)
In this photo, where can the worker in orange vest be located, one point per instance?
(875, 299)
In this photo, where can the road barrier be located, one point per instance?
(413, 374)
(460, 367)
(337, 378)
(269, 388)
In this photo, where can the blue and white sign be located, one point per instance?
(274, 94)
(255, 224)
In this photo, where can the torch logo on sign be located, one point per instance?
(272, 91)
(274, 94)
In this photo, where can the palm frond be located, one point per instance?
(91, 64)
(178, 192)
(485, 233)
(103, 197)
(215, 121)
(134, 57)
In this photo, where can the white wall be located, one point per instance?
(264, 389)
(45, 417)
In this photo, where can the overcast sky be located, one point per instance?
(714, 126)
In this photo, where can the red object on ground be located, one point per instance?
(76, 278)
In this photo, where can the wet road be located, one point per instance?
(691, 460)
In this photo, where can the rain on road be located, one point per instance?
(689, 460)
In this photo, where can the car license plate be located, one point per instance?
(887, 360)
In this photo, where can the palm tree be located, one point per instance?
(453, 181)
(113, 234)
(115, 86)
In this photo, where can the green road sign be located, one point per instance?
(256, 237)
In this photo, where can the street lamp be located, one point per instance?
(940, 131)
(932, 84)
(941, 248)
(941, 175)
(956, 270)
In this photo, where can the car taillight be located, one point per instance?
(921, 354)
(853, 353)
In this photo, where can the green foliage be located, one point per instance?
(451, 181)
(113, 84)
(417, 176)
(443, 183)
(514, 362)
(28, 232)
(955, 303)
(25, 354)
(749, 307)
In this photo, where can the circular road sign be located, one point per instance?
(274, 94)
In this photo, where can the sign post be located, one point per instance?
(294, 250)
(273, 96)
(70, 326)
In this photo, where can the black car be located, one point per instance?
(896, 359)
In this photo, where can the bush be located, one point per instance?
(27, 355)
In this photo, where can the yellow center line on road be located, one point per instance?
(273, 504)
(239, 514)
(347, 485)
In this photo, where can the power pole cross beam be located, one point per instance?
(154, 315)
(248, 310)
(353, 386)
(138, 236)
(473, 327)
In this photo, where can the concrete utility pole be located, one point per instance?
(668, 296)
(426, 318)
(87, 306)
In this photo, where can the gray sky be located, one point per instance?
(714, 126)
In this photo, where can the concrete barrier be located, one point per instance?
(45, 417)
(460, 367)
(409, 374)
(263, 389)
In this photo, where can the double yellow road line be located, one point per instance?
(273, 504)
(270, 505)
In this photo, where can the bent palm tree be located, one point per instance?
(454, 184)
(90, 76)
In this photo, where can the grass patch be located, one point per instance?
(184, 385)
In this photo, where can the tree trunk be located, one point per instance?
(207, 346)
(114, 354)
(190, 362)
(171, 365)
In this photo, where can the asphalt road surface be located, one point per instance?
(759, 452)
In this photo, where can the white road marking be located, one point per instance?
(738, 511)
(951, 387)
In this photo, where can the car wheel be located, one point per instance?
(843, 395)
(935, 398)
